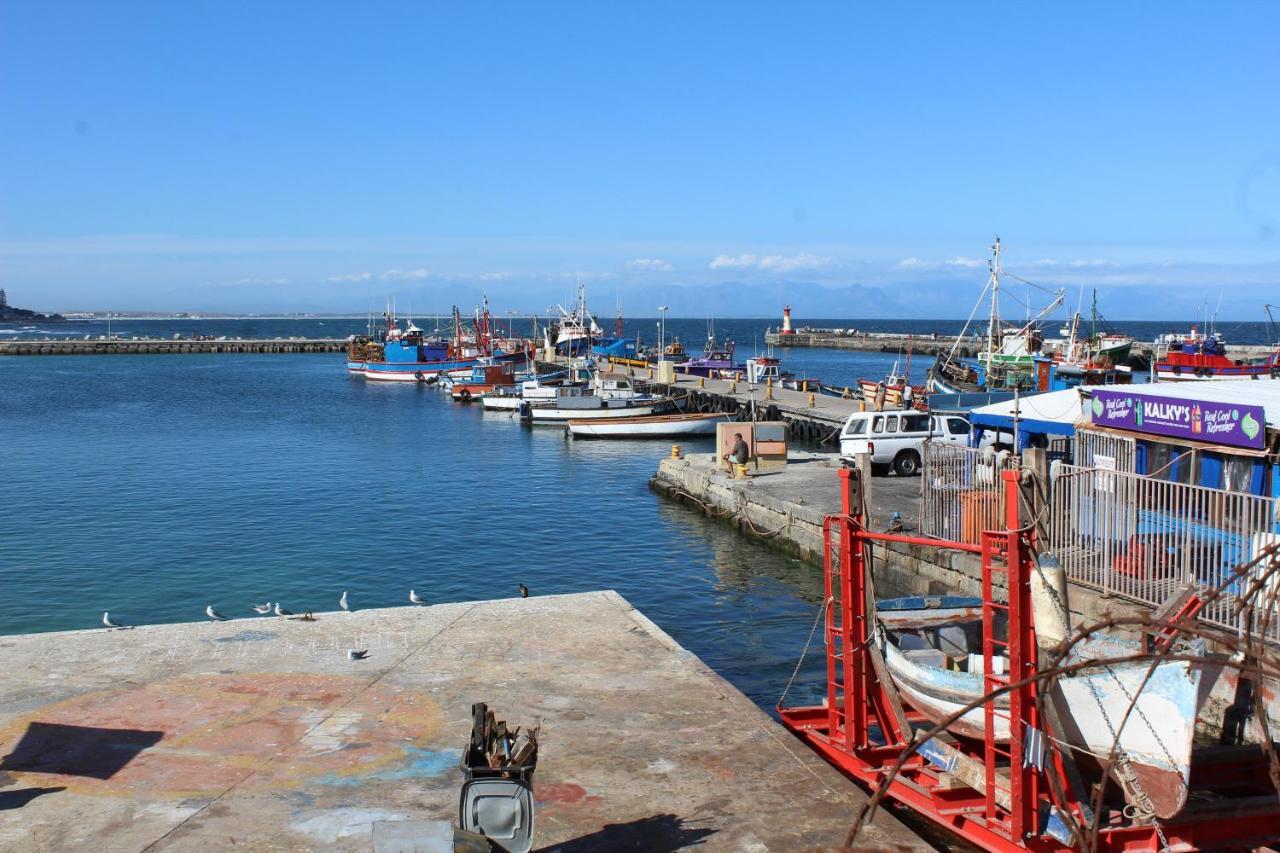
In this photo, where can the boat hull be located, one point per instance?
(661, 426)
(607, 409)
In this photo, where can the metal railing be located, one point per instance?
(1143, 538)
(960, 491)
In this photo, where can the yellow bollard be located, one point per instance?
(862, 405)
(811, 401)
(702, 382)
(650, 372)
(848, 395)
(675, 451)
(769, 389)
(740, 471)
(804, 386)
(733, 387)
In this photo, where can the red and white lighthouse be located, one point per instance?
(786, 322)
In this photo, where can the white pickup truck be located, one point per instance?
(895, 439)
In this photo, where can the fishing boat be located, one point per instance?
(576, 332)
(932, 650)
(655, 426)
(1198, 356)
(716, 361)
(608, 395)
(1007, 359)
(482, 379)
(408, 355)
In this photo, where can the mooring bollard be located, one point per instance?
(650, 372)
(702, 382)
(769, 388)
(675, 451)
(848, 395)
(733, 387)
(811, 401)
(804, 386)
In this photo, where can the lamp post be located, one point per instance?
(662, 334)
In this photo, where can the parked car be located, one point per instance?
(896, 439)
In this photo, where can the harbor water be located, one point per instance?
(152, 486)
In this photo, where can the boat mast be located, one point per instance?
(993, 322)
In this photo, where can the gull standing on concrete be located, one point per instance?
(342, 602)
(262, 609)
(414, 598)
(524, 591)
(214, 616)
(280, 611)
(106, 620)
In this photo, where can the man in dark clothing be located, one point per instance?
(740, 454)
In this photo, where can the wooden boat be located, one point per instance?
(653, 426)
(932, 649)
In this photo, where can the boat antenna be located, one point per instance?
(993, 322)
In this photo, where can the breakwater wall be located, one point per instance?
(161, 346)
(967, 347)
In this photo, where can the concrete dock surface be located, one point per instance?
(261, 734)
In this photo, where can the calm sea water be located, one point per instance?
(152, 486)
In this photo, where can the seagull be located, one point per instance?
(414, 598)
(214, 616)
(280, 611)
(262, 609)
(353, 654)
(524, 591)
(342, 602)
(106, 620)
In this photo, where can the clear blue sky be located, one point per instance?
(853, 159)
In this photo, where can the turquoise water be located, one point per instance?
(152, 486)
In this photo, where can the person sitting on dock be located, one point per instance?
(740, 454)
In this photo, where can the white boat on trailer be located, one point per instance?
(654, 426)
(932, 650)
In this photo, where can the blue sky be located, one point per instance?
(852, 159)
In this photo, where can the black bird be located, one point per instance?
(357, 654)
(524, 591)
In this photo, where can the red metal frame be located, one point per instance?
(860, 730)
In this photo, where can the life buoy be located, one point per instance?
(420, 376)
(1275, 373)
(465, 395)
(1177, 370)
(1202, 372)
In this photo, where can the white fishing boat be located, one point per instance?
(932, 649)
(591, 407)
(655, 426)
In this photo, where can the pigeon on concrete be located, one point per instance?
(342, 602)
(353, 654)
(416, 599)
(214, 616)
(262, 609)
(524, 591)
(106, 620)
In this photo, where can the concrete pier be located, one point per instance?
(261, 734)
(818, 423)
(162, 346)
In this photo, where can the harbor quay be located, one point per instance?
(263, 734)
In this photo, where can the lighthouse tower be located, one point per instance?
(786, 322)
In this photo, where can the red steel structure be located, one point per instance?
(999, 797)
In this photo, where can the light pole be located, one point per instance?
(662, 334)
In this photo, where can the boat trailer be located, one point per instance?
(1028, 794)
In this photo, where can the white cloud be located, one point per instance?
(962, 261)
(404, 275)
(1094, 263)
(257, 281)
(911, 264)
(772, 263)
(359, 276)
(650, 265)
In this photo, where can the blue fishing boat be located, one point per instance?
(408, 355)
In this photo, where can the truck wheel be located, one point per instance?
(907, 463)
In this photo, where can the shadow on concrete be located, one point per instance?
(19, 798)
(657, 834)
(77, 750)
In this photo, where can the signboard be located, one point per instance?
(1231, 424)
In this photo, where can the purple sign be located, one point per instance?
(1231, 424)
